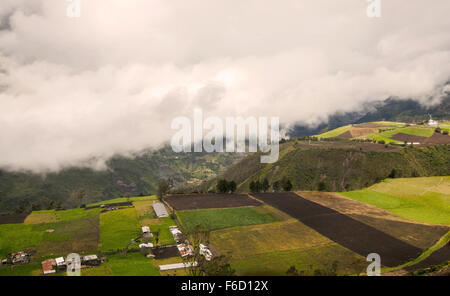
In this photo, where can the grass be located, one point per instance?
(21, 270)
(123, 199)
(144, 208)
(165, 237)
(442, 242)
(79, 235)
(49, 216)
(335, 132)
(223, 218)
(421, 199)
(133, 264)
(117, 228)
(413, 131)
(245, 241)
(307, 260)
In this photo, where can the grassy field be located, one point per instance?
(223, 218)
(413, 131)
(245, 241)
(421, 199)
(123, 199)
(21, 270)
(336, 132)
(49, 216)
(133, 264)
(310, 261)
(117, 228)
(78, 235)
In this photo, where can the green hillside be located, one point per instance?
(20, 191)
(327, 167)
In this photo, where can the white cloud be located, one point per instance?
(77, 89)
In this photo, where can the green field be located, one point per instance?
(413, 131)
(123, 199)
(335, 132)
(310, 261)
(117, 228)
(245, 241)
(421, 199)
(133, 264)
(223, 218)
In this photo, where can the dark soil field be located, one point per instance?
(408, 138)
(366, 146)
(111, 205)
(437, 139)
(438, 257)
(350, 233)
(13, 219)
(165, 252)
(209, 201)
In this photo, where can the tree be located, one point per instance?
(276, 186)
(232, 186)
(286, 184)
(257, 186)
(265, 185)
(252, 186)
(163, 188)
(222, 186)
(322, 186)
(79, 194)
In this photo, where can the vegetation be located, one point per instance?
(421, 199)
(117, 228)
(224, 186)
(222, 218)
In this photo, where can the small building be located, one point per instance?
(205, 252)
(177, 266)
(60, 263)
(91, 260)
(176, 233)
(432, 122)
(48, 266)
(185, 250)
(18, 258)
(145, 229)
(160, 210)
(147, 245)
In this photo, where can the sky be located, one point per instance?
(77, 91)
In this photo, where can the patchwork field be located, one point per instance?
(420, 199)
(352, 234)
(389, 132)
(409, 231)
(209, 201)
(117, 228)
(223, 218)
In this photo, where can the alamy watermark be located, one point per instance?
(374, 9)
(236, 132)
(73, 8)
(374, 268)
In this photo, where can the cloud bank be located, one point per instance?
(76, 91)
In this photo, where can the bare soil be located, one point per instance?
(346, 231)
(13, 219)
(209, 201)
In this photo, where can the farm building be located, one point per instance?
(145, 229)
(185, 250)
(60, 263)
(17, 258)
(177, 266)
(47, 266)
(176, 233)
(205, 252)
(148, 245)
(91, 260)
(160, 210)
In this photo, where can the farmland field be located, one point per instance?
(209, 201)
(311, 261)
(244, 241)
(133, 264)
(412, 232)
(123, 199)
(421, 199)
(223, 218)
(350, 233)
(117, 228)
